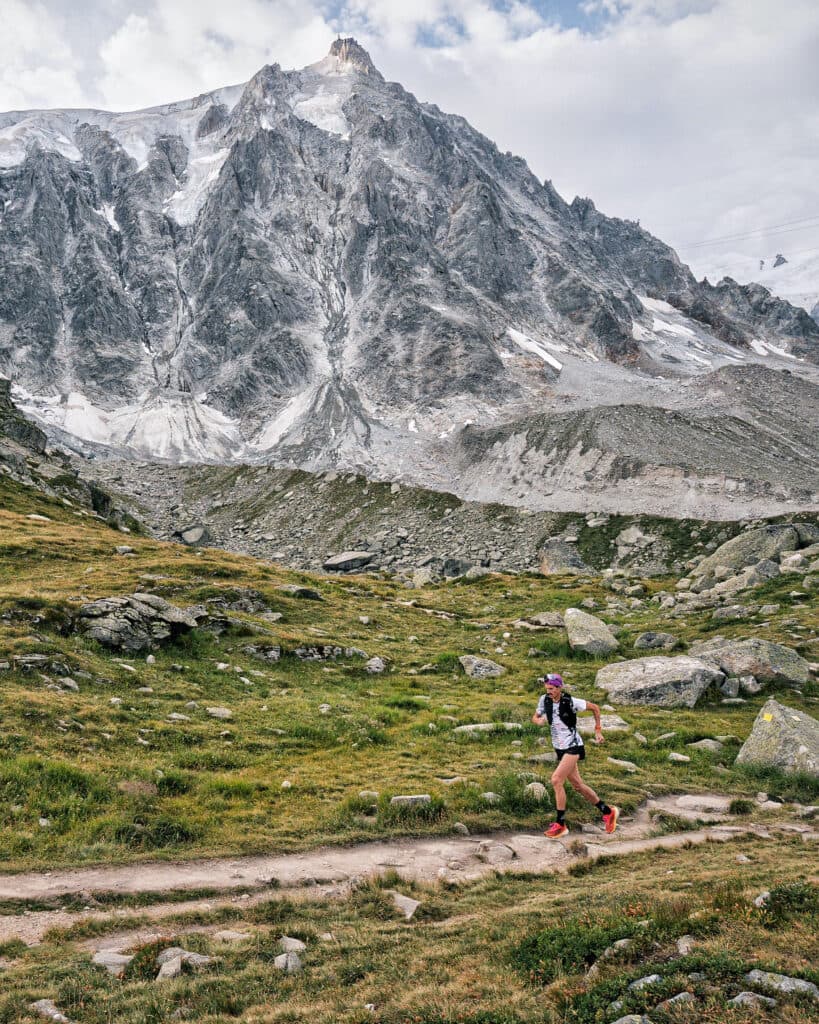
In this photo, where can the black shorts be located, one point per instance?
(580, 753)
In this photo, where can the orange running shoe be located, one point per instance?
(555, 830)
(610, 819)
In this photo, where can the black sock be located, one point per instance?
(603, 807)
(561, 817)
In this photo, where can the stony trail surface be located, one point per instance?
(330, 872)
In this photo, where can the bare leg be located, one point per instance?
(568, 765)
(580, 786)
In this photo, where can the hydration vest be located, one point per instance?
(565, 711)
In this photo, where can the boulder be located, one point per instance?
(135, 623)
(782, 738)
(543, 620)
(753, 576)
(610, 723)
(348, 560)
(480, 668)
(658, 681)
(406, 904)
(782, 983)
(752, 1000)
(588, 634)
(750, 547)
(114, 962)
(558, 556)
(767, 662)
(193, 536)
(655, 642)
(290, 963)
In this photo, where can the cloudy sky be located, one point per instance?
(700, 118)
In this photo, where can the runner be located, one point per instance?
(559, 709)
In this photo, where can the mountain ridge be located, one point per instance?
(318, 270)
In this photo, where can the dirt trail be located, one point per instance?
(330, 871)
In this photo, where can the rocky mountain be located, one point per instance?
(315, 269)
(793, 276)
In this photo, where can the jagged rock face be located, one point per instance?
(302, 266)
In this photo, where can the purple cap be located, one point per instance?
(552, 679)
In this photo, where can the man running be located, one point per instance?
(559, 709)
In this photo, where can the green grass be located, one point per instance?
(122, 782)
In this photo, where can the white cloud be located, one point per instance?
(171, 51)
(37, 67)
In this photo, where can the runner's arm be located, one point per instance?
(598, 726)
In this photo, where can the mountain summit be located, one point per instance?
(316, 268)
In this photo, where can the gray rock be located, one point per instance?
(628, 766)
(632, 1018)
(782, 983)
(478, 727)
(536, 790)
(194, 536)
(558, 557)
(291, 945)
(290, 963)
(751, 1000)
(641, 983)
(782, 738)
(135, 623)
(676, 758)
(680, 997)
(48, 1009)
(609, 723)
(224, 714)
(410, 800)
(544, 620)
(171, 968)
(480, 668)
(708, 745)
(375, 666)
(115, 963)
(768, 662)
(655, 641)
(658, 681)
(348, 561)
(751, 547)
(406, 904)
(588, 634)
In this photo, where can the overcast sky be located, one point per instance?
(700, 118)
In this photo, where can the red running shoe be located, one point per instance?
(555, 830)
(610, 819)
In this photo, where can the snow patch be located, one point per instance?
(201, 172)
(537, 348)
(108, 212)
(323, 109)
(678, 329)
(162, 425)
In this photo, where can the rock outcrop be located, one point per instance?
(135, 623)
(658, 681)
(782, 738)
(588, 634)
(766, 661)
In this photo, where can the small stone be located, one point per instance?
(221, 713)
(762, 899)
(742, 859)
(685, 944)
(751, 1000)
(410, 800)
(290, 963)
(641, 983)
(405, 904)
(782, 983)
(46, 1008)
(628, 766)
(678, 758)
(115, 963)
(170, 969)
(290, 945)
(375, 666)
(460, 829)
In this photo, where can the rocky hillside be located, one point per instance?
(316, 268)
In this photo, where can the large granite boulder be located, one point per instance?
(135, 623)
(751, 547)
(558, 556)
(347, 561)
(658, 681)
(782, 738)
(766, 661)
(195, 536)
(588, 634)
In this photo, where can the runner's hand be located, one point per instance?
(598, 736)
